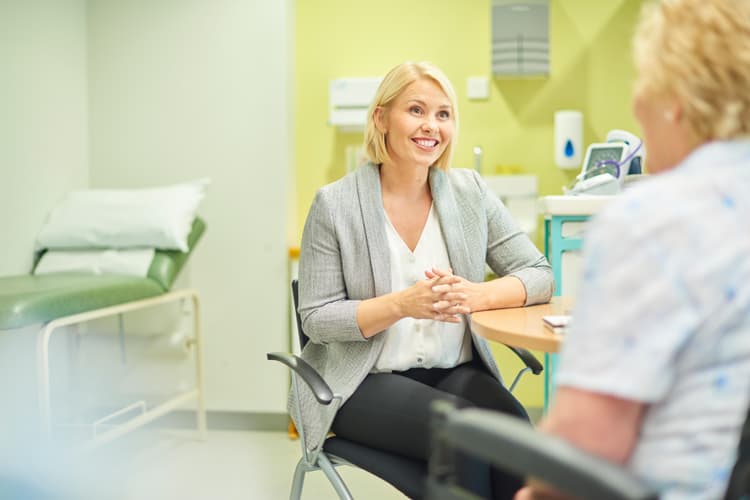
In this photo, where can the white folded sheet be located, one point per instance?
(131, 261)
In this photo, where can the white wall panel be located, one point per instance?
(181, 89)
(43, 118)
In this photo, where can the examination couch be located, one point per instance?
(58, 301)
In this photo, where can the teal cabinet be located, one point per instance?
(565, 219)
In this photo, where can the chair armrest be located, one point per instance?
(528, 359)
(318, 386)
(514, 446)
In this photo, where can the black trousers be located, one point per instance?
(391, 412)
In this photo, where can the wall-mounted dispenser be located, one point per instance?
(349, 100)
(568, 138)
(520, 37)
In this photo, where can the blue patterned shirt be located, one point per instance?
(663, 317)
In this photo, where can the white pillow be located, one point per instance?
(124, 218)
(130, 262)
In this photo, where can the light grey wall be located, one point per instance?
(181, 89)
(43, 118)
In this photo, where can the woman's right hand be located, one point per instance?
(419, 301)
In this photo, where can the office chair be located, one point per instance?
(515, 447)
(405, 474)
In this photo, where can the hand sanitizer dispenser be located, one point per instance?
(568, 139)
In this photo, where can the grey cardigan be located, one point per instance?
(344, 259)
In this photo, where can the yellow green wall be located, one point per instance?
(591, 70)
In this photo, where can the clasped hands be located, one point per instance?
(443, 296)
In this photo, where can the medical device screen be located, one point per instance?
(601, 154)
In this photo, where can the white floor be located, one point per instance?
(174, 465)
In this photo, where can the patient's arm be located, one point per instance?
(603, 425)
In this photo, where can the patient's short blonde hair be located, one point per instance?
(390, 88)
(698, 52)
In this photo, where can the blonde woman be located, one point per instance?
(655, 373)
(393, 261)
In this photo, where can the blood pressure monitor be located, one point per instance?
(607, 163)
(602, 169)
(604, 157)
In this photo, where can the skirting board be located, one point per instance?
(246, 421)
(225, 421)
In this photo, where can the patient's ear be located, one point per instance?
(673, 111)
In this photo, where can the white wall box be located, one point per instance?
(348, 100)
(520, 37)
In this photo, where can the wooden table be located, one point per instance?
(523, 327)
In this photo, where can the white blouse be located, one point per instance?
(420, 343)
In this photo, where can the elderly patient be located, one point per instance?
(655, 373)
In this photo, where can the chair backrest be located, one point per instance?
(301, 334)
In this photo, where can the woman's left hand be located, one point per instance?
(456, 298)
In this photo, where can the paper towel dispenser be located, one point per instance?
(520, 38)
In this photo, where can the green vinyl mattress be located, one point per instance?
(30, 299)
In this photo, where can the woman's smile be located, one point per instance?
(426, 144)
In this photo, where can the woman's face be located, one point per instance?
(418, 125)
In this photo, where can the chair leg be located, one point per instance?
(334, 478)
(298, 480)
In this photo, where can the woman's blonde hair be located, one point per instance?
(390, 88)
(698, 52)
